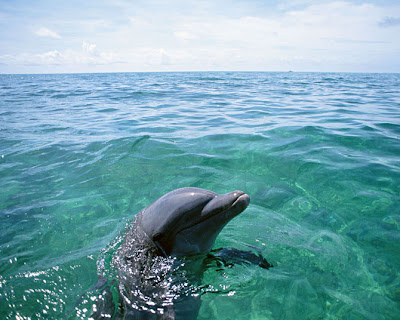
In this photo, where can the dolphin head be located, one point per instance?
(188, 220)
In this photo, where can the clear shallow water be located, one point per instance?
(319, 155)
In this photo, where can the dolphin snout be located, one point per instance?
(242, 200)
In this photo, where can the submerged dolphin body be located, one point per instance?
(183, 222)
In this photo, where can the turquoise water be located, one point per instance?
(319, 155)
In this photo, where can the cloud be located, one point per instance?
(88, 55)
(389, 22)
(355, 41)
(89, 49)
(184, 35)
(44, 32)
(165, 58)
(51, 57)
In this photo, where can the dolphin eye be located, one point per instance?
(157, 237)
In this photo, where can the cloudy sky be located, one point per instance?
(47, 36)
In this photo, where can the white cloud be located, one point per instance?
(184, 35)
(89, 49)
(165, 58)
(44, 32)
(88, 55)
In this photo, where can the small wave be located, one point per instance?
(107, 110)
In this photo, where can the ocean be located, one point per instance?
(318, 153)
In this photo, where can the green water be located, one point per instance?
(319, 155)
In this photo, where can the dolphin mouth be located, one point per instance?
(244, 198)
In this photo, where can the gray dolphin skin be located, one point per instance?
(188, 220)
(181, 224)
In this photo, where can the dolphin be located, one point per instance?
(188, 220)
(182, 223)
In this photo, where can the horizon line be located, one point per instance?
(200, 71)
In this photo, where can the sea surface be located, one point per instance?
(318, 153)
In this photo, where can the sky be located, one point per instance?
(48, 36)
